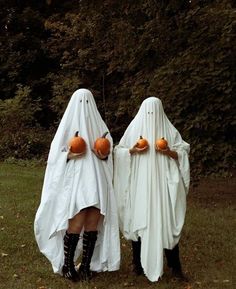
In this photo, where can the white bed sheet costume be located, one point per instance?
(71, 186)
(150, 187)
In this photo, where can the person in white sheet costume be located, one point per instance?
(78, 197)
(151, 187)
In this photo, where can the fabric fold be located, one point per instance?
(151, 188)
(71, 186)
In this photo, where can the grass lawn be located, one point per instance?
(207, 245)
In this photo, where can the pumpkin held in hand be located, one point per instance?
(162, 143)
(77, 144)
(142, 143)
(102, 144)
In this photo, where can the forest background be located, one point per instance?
(124, 51)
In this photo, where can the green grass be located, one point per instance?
(207, 244)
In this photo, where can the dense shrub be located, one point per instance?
(180, 51)
(21, 136)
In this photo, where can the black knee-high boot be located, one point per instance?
(173, 262)
(89, 240)
(136, 246)
(172, 257)
(70, 243)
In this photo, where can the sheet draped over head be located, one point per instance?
(150, 187)
(72, 186)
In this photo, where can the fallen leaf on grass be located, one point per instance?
(4, 254)
(23, 269)
(225, 281)
(126, 284)
(23, 245)
(38, 280)
(1, 217)
(16, 276)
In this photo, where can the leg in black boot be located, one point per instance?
(136, 246)
(89, 240)
(173, 262)
(70, 243)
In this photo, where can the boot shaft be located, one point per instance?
(136, 249)
(70, 244)
(89, 240)
(172, 256)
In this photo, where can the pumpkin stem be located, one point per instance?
(77, 133)
(141, 137)
(163, 137)
(104, 135)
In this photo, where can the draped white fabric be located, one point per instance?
(151, 188)
(71, 186)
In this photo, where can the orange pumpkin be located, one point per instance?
(162, 143)
(77, 144)
(142, 143)
(103, 145)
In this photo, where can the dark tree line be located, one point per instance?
(181, 51)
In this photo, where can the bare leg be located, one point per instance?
(71, 239)
(77, 222)
(92, 219)
(89, 239)
(88, 219)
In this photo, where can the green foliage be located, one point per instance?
(201, 100)
(21, 137)
(180, 51)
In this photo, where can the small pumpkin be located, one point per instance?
(142, 143)
(103, 144)
(77, 144)
(162, 143)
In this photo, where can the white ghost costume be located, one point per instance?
(72, 186)
(150, 187)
